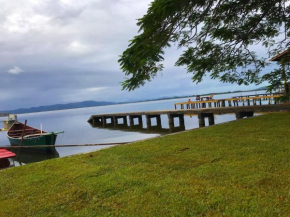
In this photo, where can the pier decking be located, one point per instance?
(113, 120)
(246, 101)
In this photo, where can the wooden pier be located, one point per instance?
(119, 120)
(231, 102)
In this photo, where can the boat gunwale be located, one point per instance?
(26, 137)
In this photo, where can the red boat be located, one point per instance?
(6, 158)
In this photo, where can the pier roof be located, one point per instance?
(284, 55)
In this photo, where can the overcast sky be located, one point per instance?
(60, 51)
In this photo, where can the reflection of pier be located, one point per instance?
(119, 120)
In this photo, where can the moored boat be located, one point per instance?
(31, 137)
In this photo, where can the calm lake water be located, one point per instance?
(79, 131)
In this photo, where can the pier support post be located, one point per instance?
(223, 103)
(97, 121)
(210, 119)
(116, 124)
(115, 121)
(181, 126)
(158, 120)
(131, 120)
(140, 122)
(125, 120)
(201, 121)
(241, 115)
(238, 116)
(104, 121)
(170, 121)
(181, 120)
(149, 123)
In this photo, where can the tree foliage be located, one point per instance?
(219, 38)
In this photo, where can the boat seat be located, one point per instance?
(25, 130)
(14, 134)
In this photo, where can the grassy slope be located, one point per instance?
(236, 169)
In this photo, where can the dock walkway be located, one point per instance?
(101, 120)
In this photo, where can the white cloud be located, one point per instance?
(79, 48)
(25, 22)
(16, 70)
(95, 89)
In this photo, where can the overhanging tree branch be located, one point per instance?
(218, 35)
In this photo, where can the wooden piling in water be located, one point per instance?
(172, 127)
(140, 121)
(201, 121)
(116, 122)
(211, 120)
(242, 114)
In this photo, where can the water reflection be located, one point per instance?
(6, 163)
(26, 157)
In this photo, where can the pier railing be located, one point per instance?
(230, 102)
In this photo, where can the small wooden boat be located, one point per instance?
(6, 158)
(32, 136)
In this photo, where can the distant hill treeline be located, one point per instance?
(85, 104)
(58, 107)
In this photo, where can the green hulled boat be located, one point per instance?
(32, 136)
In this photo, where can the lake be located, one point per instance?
(79, 131)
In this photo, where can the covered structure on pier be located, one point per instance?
(283, 58)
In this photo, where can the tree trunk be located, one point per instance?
(284, 77)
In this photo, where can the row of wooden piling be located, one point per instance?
(102, 121)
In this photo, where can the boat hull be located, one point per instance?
(46, 139)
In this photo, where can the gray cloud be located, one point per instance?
(69, 50)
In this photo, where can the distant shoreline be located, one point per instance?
(89, 104)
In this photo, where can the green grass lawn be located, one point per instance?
(240, 168)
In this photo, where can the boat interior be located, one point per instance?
(17, 129)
